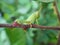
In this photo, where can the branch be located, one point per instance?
(58, 14)
(28, 26)
(56, 8)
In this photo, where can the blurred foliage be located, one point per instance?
(11, 10)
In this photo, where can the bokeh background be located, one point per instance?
(11, 10)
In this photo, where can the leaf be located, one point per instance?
(17, 36)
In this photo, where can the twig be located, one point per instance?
(58, 14)
(56, 9)
(28, 26)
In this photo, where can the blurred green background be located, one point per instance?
(11, 10)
